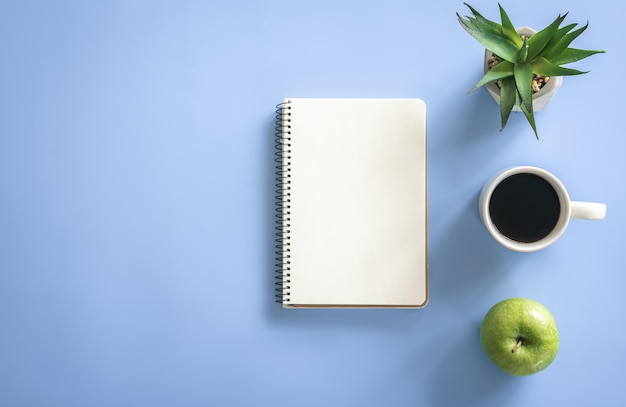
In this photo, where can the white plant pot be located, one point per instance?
(541, 98)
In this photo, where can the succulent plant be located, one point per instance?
(520, 57)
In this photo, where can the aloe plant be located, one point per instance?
(520, 57)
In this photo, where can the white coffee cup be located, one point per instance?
(527, 208)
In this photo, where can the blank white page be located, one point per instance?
(357, 204)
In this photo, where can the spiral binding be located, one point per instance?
(283, 200)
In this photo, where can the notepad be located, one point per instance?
(352, 203)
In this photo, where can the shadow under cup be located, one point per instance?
(525, 208)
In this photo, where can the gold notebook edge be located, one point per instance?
(355, 306)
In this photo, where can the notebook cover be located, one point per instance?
(354, 208)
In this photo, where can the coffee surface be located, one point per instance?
(525, 207)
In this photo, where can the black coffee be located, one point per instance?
(525, 207)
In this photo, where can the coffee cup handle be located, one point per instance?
(587, 210)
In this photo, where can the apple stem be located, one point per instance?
(517, 346)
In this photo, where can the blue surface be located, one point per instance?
(136, 219)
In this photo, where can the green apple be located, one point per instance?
(520, 336)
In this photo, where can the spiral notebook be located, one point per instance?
(352, 203)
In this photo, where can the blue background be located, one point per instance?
(137, 198)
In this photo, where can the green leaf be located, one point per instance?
(572, 55)
(482, 20)
(499, 71)
(523, 52)
(508, 94)
(538, 41)
(489, 35)
(508, 28)
(565, 42)
(543, 67)
(530, 116)
(560, 33)
(524, 82)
